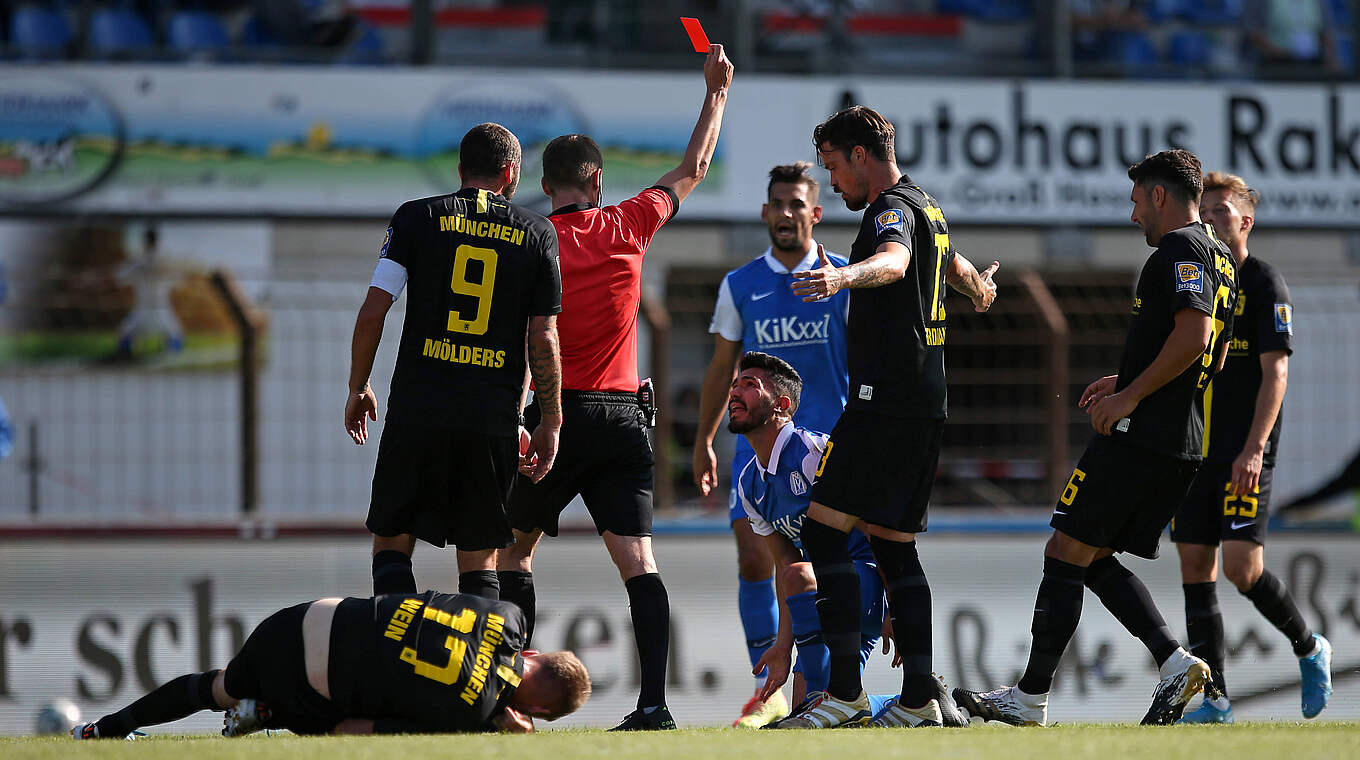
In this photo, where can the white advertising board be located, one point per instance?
(254, 140)
(100, 622)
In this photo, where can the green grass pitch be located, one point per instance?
(1248, 741)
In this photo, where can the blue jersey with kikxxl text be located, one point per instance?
(776, 498)
(757, 306)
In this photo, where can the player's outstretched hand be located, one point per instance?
(705, 467)
(823, 282)
(717, 69)
(779, 660)
(359, 409)
(983, 301)
(1097, 390)
(542, 452)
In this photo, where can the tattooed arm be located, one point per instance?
(978, 286)
(886, 266)
(545, 365)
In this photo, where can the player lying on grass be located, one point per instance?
(398, 663)
(775, 490)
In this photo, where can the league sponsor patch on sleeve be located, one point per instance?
(387, 240)
(1284, 318)
(888, 220)
(1189, 276)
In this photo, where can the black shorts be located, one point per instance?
(1121, 497)
(443, 486)
(604, 456)
(1210, 514)
(271, 668)
(880, 469)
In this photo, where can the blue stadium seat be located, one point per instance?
(1212, 12)
(198, 33)
(119, 33)
(995, 11)
(1133, 50)
(1189, 47)
(39, 33)
(367, 47)
(1160, 11)
(1345, 51)
(1343, 13)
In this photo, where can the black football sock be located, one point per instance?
(1274, 601)
(517, 587)
(483, 583)
(392, 573)
(1129, 601)
(1057, 608)
(838, 605)
(909, 605)
(651, 608)
(1204, 629)
(173, 700)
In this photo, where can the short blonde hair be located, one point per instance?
(570, 683)
(1246, 197)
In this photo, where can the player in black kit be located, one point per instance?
(1229, 500)
(1149, 428)
(895, 334)
(482, 272)
(400, 663)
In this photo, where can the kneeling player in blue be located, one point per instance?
(774, 489)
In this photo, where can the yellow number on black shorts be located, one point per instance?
(1240, 505)
(821, 465)
(1070, 492)
(482, 291)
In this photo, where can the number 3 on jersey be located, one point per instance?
(482, 290)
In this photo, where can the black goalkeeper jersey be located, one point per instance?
(895, 333)
(428, 663)
(477, 268)
(1263, 321)
(1190, 269)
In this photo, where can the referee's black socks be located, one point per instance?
(173, 700)
(1273, 600)
(651, 608)
(392, 573)
(517, 587)
(1204, 628)
(1130, 602)
(1057, 608)
(838, 604)
(909, 605)
(483, 583)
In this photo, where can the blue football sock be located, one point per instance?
(759, 615)
(813, 657)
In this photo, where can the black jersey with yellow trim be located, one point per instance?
(478, 267)
(895, 333)
(441, 662)
(1190, 269)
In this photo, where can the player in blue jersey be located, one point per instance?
(756, 310)
(774, 491)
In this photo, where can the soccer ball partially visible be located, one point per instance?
(56, 717)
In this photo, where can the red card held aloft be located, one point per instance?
(696, 34)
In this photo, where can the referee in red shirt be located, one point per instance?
(604, 454)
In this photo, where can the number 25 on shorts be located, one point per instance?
(1069, 493)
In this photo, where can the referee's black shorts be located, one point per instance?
(880, 469)
(443, 486)
(604, 455)
(1121, 497)
(272, 669)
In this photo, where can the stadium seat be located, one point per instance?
(1343, 13)
(118, 33)
(198, 34)
(39, 33)
(1345, 51)
(1189, 47)
(1212, 12)
(367, 47)
(1132, 50)
(995, 11)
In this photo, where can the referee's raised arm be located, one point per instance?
(687, 176)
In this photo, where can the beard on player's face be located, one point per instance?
(744, 419)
